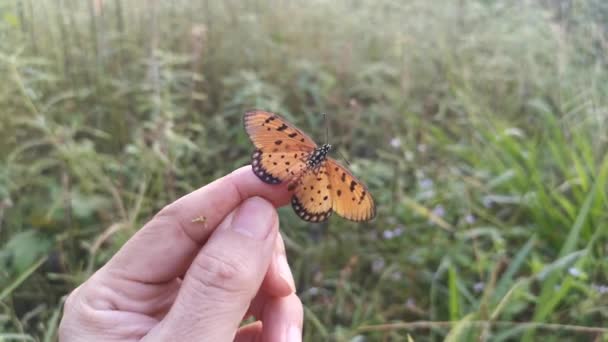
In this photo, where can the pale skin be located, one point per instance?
(183, 279)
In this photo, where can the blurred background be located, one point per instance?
(479, 126)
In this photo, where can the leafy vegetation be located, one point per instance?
(479, 126)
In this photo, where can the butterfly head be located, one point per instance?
(318, 156)
(325, 148)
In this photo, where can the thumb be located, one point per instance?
(225, 276)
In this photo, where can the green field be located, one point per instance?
(480, 127)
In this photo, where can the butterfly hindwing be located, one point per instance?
(270, 133)
(312, 196)
(276, 167)
(350, 197)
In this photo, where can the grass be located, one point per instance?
(479, 126)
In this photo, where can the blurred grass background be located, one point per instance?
(479, 126)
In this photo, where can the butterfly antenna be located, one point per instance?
(326, 128)
(343, 157)
(327, 139)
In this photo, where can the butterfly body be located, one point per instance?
(318, 156)
(320, 184)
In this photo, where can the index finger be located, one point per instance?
(169, 242)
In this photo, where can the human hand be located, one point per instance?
(232, 266)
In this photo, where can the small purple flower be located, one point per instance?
(470, 219)
(378, 264)
(575, 272)
(398, 231)
(479, 286)
(426, 184)
(395, 142)
(388, 234)
(600, 288)
(439, 210)
(487, 202)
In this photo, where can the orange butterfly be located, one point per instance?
(321, 185)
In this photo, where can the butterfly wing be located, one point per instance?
(350, 197)
(312, 196)
(270, 132)
(282, 149)
(276, 167)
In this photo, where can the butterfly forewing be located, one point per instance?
(312, 196)
(350, 198)
(269, 132)
(282, 149)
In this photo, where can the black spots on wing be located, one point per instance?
(287, 163)
(312, 199)
(275, 150)
(352, 186)
(319, 179)
(362, 197)
(339, 192)
(312, 187)
(282, 156)
(295, 155)
(282, 128)
(336, 169)
(270, 119)
(353, 199)
(319, 191)
(292, 135)
(307, 215)
(302, 140)
(343, 177)
(260, 171)
(328, 186)
(278, 142)
(325, 198)
(274, 163)
(268, 129)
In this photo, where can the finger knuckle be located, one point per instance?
(77, 312)
(217, 274)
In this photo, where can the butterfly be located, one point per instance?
(320, 185)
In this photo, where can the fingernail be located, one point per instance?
(294, 334)
(254, 218)
(285, 271)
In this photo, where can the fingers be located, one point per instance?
(283, 319)
(225, 275)
(249, 333)
(279, 281)
(164, 248)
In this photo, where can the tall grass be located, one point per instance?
(479, 126)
